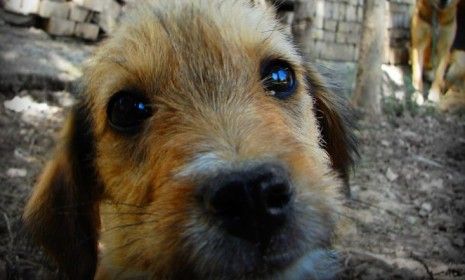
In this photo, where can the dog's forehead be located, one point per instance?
(159, 40)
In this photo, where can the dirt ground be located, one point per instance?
(405, 219)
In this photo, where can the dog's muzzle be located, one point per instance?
(252, 203)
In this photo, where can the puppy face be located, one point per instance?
(207, 148)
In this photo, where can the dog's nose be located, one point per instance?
(251, 204)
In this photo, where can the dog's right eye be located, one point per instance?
(127, 111)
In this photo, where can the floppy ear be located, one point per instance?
(62, 213)
(336, 124)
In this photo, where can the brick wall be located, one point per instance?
(336, 30)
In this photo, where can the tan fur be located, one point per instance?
(454, 98)
(425, 12)
(198, 62)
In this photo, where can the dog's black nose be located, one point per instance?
(251, 204)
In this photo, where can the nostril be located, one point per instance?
(227, 199)
(277, 196)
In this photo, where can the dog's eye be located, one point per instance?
(127, 110)
(278, 78)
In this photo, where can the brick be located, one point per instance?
(359, 13)
(86, 31)
(330, 25)
(351, 13)
(94, 5)
(30, 6)
(353, 38)
(108, 19)
(335, 11)
(339, 52)
(24, 7)
(328, 7)
(53, 9)
(349, 27)
(79, 14)
(342, 11)
(329, 36)
(59, 26)
(318, 22)
(13, 6)
(341, 38)
(317, 34)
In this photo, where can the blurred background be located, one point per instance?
(404, 216)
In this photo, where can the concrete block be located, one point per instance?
(86, 31)
(329, 36)
(94, 5)
(49, 9)
(78, 13)
(317, 34)
(338, 52)
(341, 38)
(351, 13)
(330, 25)
(24, 7)
(13, 6)
(60, 27)
(108, 19)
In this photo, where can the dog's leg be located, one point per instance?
(421, 35)
(445, 40)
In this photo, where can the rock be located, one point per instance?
(425, 209)
(16, 172)
(390, 175)
(412, 220)
(459, 241)
(437, 184)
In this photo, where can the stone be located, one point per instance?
(49, 9)
(78, 13)
(24, 7)
(86, 31)
(60, 27)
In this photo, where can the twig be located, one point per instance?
(428, 161)
(423, 263)
(8, 227)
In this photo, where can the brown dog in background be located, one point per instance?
(203, 147)
(433, 30)
(454, 99)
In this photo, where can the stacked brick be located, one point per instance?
(85, 19)
(337, 24)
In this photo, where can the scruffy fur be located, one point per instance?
(422, 53)
(115, 206)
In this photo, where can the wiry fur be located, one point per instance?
(198, 62)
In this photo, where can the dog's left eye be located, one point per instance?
(279, 78)
(127, 111)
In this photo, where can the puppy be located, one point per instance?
(432, 33)
(203, 147)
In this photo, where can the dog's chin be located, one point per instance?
(283, 258)
(318, 264)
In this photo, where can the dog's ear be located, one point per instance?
(62, 213)
(336, 121)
